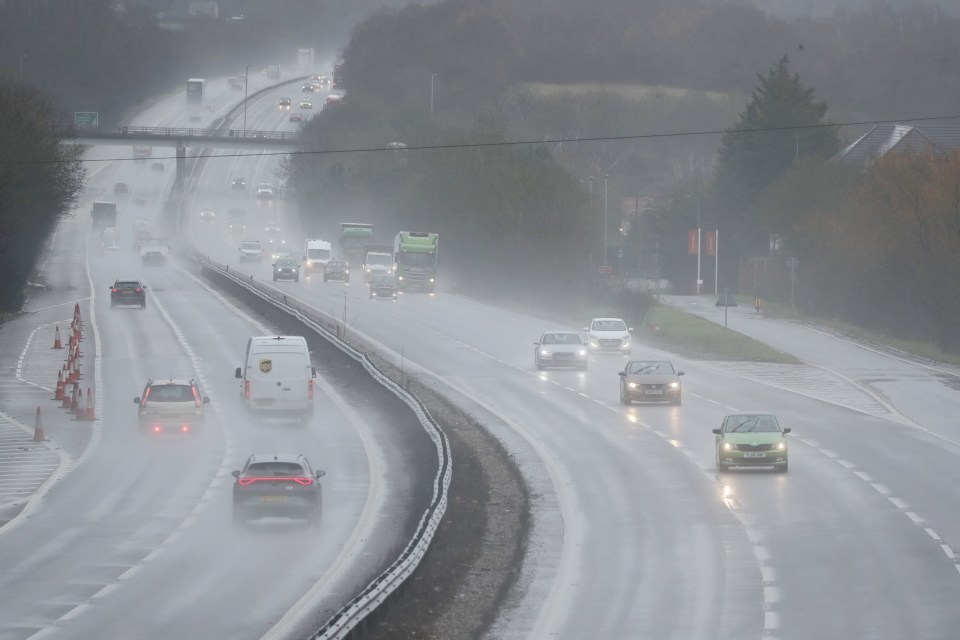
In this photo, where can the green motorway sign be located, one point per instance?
(86, 118)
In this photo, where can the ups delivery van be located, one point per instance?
(277, 377)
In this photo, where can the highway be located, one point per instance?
(635, 535)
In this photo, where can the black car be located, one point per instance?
(337, 270)
(239, 184)
(121, 188)
(286, 269)
(383, 285)
(277, 485)
(128, 292)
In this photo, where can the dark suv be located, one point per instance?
(277, 485)
(130, 292)
(171, 406)
(336, 270)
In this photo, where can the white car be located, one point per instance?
(251, 251)
(265, 190)
(609, 334)
(560, 349)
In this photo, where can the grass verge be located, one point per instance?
(695, 337)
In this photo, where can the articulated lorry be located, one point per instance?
(377, 259)
(354, 237)
(415, 253)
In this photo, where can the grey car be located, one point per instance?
(650, 381)
(383, 285)
(560, 348)
(286, 269)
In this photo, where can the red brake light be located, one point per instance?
(303, 481)
(243, 482)
(137, 290)
(310, 389)
(184, 428)
(113, 290)
(157, 428)
(246, 389)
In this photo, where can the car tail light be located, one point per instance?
(196, 399)
(157, 428)
(137, 290)
(303, 481)
(310, 389)
(243, 482)
(246, 389)
(184, 428)
(113, 290)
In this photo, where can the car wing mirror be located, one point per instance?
(718, 431)
(238, 373)
(136, 401)
(585, 329)
(787, 430)
(680, 373)
(143, 286)
(313, 372)
(630, 329)
(206, 399)
(320, 473)
(621, 373)
(235, 474)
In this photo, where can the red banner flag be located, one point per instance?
(711, 249)
(692, 242)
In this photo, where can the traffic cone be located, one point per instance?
(58, 395)
(71, 370)
(38, 429)
(76, 368)
(75, 403)
(56, 340)
(76, 313)
(70, 402)
(90, 413)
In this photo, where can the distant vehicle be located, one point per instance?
(238, 184)
(751, 440)
(354, 236)
(415, 253)
(560, 349)
(338, 75)
(286, 269)
(103, 213)
(237, 84)
(171, 406)
(251, 251)
(156, 166)
(207, 215)
(271, 227)
(608, 334)
(265, 191)
(121, 188)
(306, 104)
(128, 292)
(142, 229)
(316, 254)
(377, 260)
(337, 270)
(140, 201)
(277, 485)
(154, 251)
(383, 285)
(650, 381)
(142, 152)
(307, 88)
(236, 221)
(333, 98)
(296, 117)
(195, 89)
(110, 240)
(285, 103)
(277, 376)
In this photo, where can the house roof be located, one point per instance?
(884, 138)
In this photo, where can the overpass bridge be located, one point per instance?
(177, 137)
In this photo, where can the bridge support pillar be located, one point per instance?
(181, 170)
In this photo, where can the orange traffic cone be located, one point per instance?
(90, 413)
(71, 370)
(56, 340)
(38, 429)
(75, 403)
(76, 367)
(58, 395)
(70, 401)
(76, 313)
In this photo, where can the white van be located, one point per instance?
(277, 376)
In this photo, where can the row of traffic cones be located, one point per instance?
(69, 376)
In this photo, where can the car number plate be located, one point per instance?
(754, 454)
(273, 498)
(654, 392)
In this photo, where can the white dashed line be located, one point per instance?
(913, 516)
(881, 488)
(933, 534)
(898, 503)
(845, 463)
(863, 476)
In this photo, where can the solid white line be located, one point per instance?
(73, 613)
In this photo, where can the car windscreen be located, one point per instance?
(751, 424)
(171, 393)
(276, 469)
(250, 246)
(127, 285)
(608, 325)
(643, 367)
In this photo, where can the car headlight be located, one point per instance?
(674, 385)
(582, 352)
(780, 446)
(729, 447)
(399, 277)
(546, 352)
(632, 385)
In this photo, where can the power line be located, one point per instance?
(511, 143)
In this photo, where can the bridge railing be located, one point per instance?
(70, 130)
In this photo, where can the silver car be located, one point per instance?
(650, 381)
(560, 349)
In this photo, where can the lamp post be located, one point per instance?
(246, 80)
(606, 177)
(432, 77)
(699, 243)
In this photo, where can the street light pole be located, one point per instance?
(246, 81)
(699, 244)
(605, 179)
(432, 77)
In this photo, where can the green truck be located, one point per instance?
(415, 253)
(354, 238)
